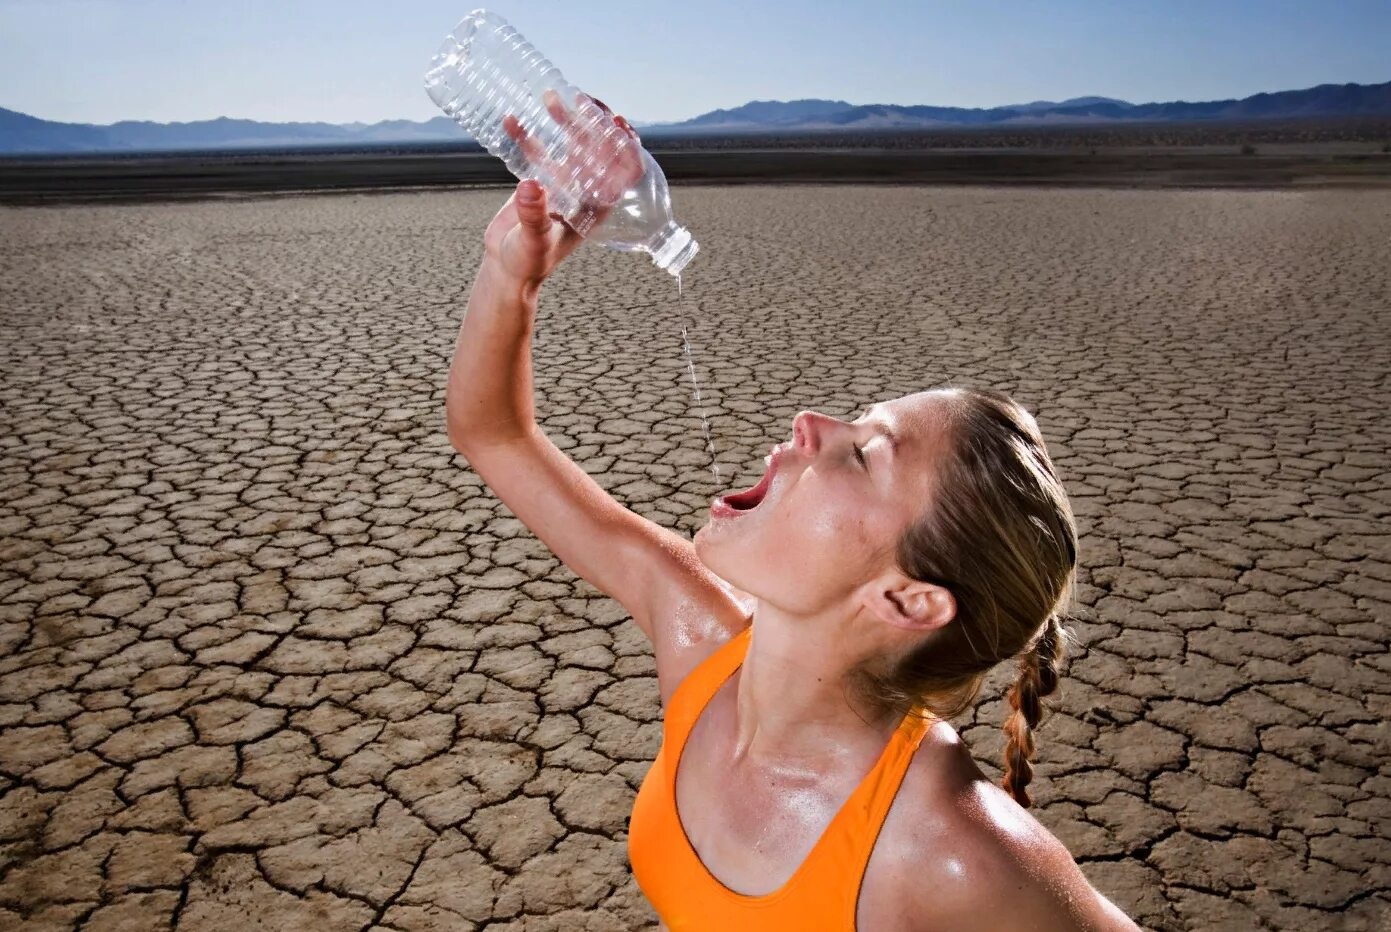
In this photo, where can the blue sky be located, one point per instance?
(99, 61)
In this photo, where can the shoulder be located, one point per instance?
(695, 617)
(1009, 858)
(981, 861)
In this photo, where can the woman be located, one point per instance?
(890, 563)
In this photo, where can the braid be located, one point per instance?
(1038, 677)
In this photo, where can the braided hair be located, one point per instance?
(1039, 669)
(999, 534)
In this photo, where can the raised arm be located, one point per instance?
(490, 419)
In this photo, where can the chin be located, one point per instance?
(702, 545)
(717, 559)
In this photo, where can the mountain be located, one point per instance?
(21, 133)
(1071, 102)
(1326, 100)
(771, 113)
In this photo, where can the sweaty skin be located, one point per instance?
(782, 743)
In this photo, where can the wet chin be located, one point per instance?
(721, 556)
(761, 577)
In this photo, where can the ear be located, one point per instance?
(909, 603)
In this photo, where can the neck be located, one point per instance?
(796, 702)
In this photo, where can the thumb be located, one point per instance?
(531, 207)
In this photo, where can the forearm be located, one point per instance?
(489, 395)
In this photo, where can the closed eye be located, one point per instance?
(860, 453)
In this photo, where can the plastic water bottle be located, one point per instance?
(485, 71)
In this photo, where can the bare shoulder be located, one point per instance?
(980, 861)
(1018, 862)
(692, 614)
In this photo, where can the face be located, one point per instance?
(827, 516)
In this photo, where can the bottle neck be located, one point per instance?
(672, 247)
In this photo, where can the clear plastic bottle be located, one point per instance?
(485, 71)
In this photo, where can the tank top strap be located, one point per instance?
(837, 865)
(694, 692)
(823, 889)
(883, 782)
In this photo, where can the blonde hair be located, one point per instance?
(1001, 537)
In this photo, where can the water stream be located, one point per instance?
(695, 388)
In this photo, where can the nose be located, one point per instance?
(808, 431)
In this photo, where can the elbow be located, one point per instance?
(454, 429)
(468, 435)
(456, 435)
(463, 433)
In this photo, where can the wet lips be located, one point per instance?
(747, 500)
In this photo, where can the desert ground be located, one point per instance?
(273, 657)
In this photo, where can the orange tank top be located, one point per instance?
(823, 892)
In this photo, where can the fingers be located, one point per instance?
(592, 128)
(531, 207)
(623, 122)
(555, 107)
(577, 125)
(608, 145)
(530, 147)
(578, 130)
(558, 111)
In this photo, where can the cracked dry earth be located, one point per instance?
(272, 656)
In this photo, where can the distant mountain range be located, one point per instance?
(20, 133)
(765, 115)
(1326, 100)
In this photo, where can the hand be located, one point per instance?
(525, 240)
(597, 161)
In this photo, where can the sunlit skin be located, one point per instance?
(783, 743)
(817, 556)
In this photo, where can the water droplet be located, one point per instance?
(695, 388)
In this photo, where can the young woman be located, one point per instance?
(808, 778)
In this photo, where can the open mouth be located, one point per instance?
(734, 503)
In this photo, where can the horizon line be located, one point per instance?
(746, 103)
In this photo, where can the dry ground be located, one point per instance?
(271, 656)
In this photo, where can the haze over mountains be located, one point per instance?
(24, 134)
